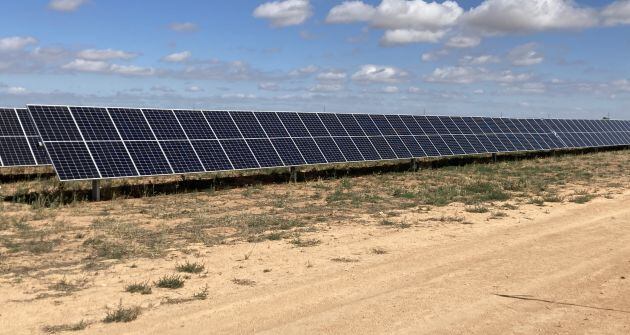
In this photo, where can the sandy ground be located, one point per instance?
(560, 269)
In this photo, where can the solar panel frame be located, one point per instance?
(22, 141)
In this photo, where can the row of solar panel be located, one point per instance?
(97, 143)
(19, 140)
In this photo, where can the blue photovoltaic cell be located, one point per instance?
(398, 146)
(487, 143)
(461, 125)
(464, 144)
(483, 125)
(149, 158)
(440, 145)
(452, 144)
(366, 148)
(112, 159)
(15, 151)
(476, 143)
(414, 148)
(333, 125)
(71, 160)
(383, 148)
(248, 125)
(271, 124)
(95, 124)
(398, 125)
(131, 124)
(240, 155)
(182, 157)
(288, 152)
(526, 144)
(349, 149)
(383, 125)
(515, 142)
(313, 124)
(309, 150)
(450, 125)
(212, 155)
(195, 125)
(497, 143)
(351, 125)
(27, 123)
(330, 150)
(412, 125)
(55, 124)
(293, 124)
(473, 125)
(10, 124)
(222, 124)
(367, 124)
(164, 124)
(427, 127)
(427, 146)
(509, 146)
(264, 152)
(41, 156)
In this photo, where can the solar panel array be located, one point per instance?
(19, 140)
(100, 143)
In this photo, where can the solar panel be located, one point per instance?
(100, 143)
(19, 140)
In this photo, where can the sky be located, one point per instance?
(533, 58)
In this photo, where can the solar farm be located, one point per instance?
(130, 220)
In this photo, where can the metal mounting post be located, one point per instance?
(96, 190)
(494, 158)
(293, 171)
(414, 165)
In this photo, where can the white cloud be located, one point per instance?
(479, 60)
(525, 55)
(178, 57)
(310, 69)
(463, 42)
(284, 13)
(194, 89)
(16, 90)
(327, 87)
(131, 70)
(351, 11)
(183, 27)
(83, 65)
(390, 89)
(332, 76)
(469, 74)
(403, 21)
(406, 36)
(66, 5)
(509, 16)
(16, 43)
(105, 54)
(415, 90)
(379, 74)
(616, 13)
(434, 55)
(268, 86)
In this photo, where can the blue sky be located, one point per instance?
(558, 58)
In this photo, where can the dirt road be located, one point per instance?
(565, 272)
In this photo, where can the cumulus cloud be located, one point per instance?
(194, 89)
(470, 74)
(16, 43)
(332, 76)
(403, 21)
(525, 55)
(16, 90)
(462, 42)
(616, 13)
(479, 60)
(351, 11)
(105, 54)
(66, 5)
(508, 16)
(178, 57)
(304, 71)
(327, 87)
(434, 55)
(406, 36)
(268, 86)
(379, 74)
(284, 13)
(83, 65)
(183, 27)
(390, 89)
